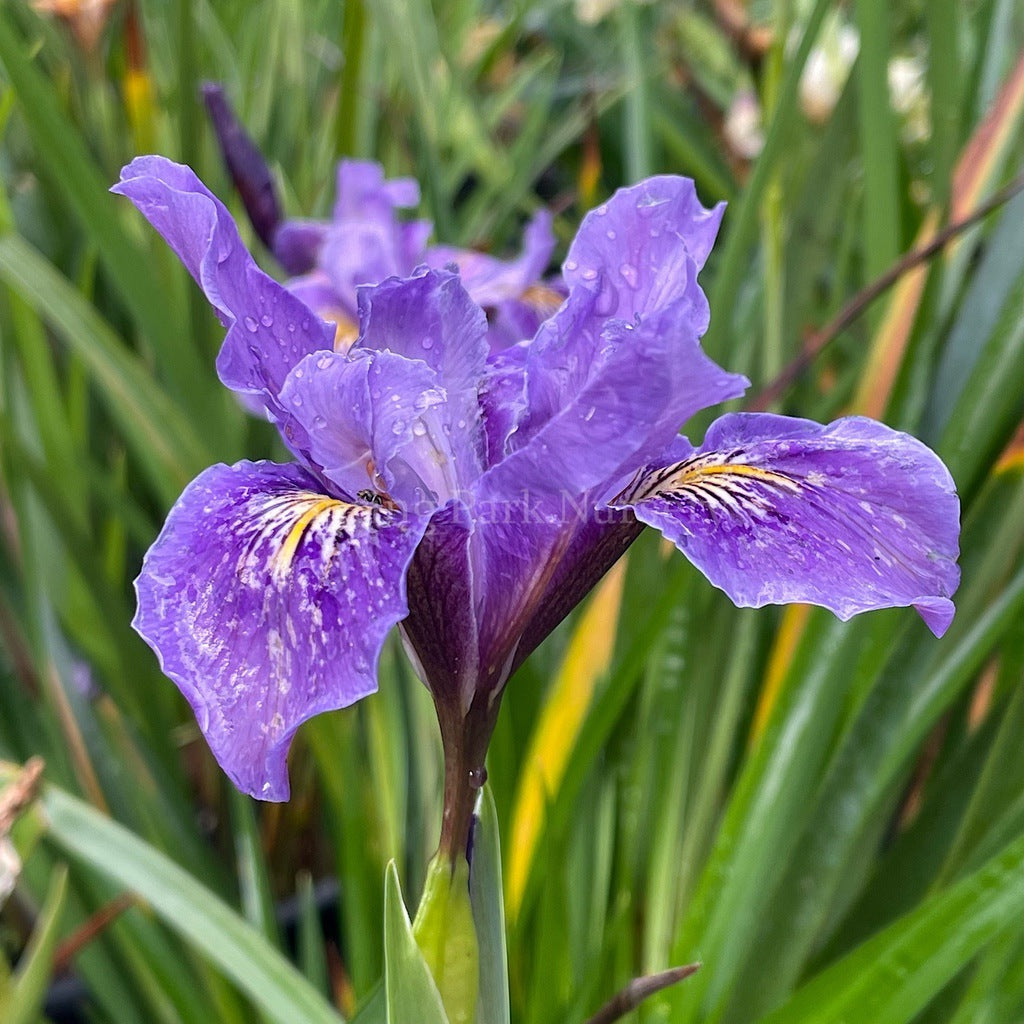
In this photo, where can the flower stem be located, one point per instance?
(465, 739)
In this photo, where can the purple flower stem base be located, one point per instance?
(465, 740)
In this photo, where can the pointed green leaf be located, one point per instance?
(411, 992)
(203, 920)
(893, 976)
(485, 893)
(166, 443)
(22, 1002)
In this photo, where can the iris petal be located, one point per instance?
(491, 280)
(267, 602)
(269, 330)
(634, 251)
(383, 442)
(430, 318)
(852, 516)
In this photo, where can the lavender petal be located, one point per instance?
(852, 516)
(430, 318)
(634, 251)
(269, 330)
(267, 602)
(381, 444)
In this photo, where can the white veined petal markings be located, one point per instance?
(276, 525)
(716, 480)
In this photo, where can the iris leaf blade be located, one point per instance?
(197, 915)
(892, 977)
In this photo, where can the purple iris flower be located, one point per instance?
(367, 240)
(473, 498)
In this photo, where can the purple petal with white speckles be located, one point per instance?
(269, 330)
(431, 318)
(634, 250)
(378, 445)
(852, 516)
(267, 602)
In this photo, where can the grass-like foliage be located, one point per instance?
(829, 816)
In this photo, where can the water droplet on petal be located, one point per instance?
(397, 427)
(611, 235)
(629, 274)
(250, 323)
(291, 328)
(602, 210)
(267, 320)
(319, 422)
(571, 265)
(590, 274)
(419, 428)
(428, 343)
(324, 361)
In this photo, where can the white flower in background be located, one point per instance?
(909, 97)
(827, 69)
(590, 12)
(743, 127)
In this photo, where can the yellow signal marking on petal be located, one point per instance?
(283, 558)
(542, 298)
(586, 661)
(692, 473)
(695, 473)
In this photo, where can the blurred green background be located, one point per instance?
(829, 816)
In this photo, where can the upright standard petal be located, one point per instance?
(618, 369)
(431, 319)
(852, 516)
(382, 446)
(367, 242)
(267, 602)
(633, 251)
(600, 406)
(269, 329)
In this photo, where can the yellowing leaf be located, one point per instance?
(586, 660)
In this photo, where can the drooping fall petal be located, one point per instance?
(851, 516)
(267, 602)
